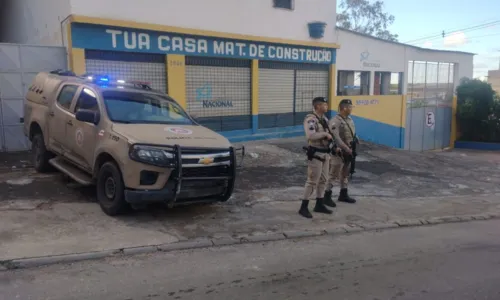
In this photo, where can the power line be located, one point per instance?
(481, 36)
(469, 38)
(475, 27)
(449, 30)
(466, 29)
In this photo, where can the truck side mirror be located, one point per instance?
(88, 116)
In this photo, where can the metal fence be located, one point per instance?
(429, 105)
(19, 64)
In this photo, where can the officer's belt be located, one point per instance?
(321, 150)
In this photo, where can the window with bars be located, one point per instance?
(285, 4)
(129, 66)
(353, 83)
(387, 83)
(218, 92)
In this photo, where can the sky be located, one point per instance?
(426, 19)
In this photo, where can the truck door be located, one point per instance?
(82, 136)
(58, 118)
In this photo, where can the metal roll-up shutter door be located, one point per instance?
(276, 94)
(129, 66)
(310, 83)
(218, 92)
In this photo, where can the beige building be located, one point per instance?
(494, 79)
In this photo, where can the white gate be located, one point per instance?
(429, 102)
(19, 64)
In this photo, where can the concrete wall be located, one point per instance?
(385, 56)
(380, 56)
(256, 17)
(38, 22)
(34, 22)
(382, 119)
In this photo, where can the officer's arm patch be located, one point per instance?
(311, 125)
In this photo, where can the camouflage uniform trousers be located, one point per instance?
(317, 177)
(339, 172)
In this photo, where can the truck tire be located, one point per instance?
(41, 155)
(110, 190)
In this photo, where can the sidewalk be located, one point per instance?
(28, 229)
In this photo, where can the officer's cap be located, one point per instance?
(345, 101)
(319, 100)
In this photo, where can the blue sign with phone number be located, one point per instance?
(98, 37)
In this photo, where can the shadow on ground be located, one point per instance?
(274, 166)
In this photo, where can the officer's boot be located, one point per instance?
(328, 199)
(304, 210)
(320, 207)
(344, 197)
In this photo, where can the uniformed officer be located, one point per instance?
(318, 138)
(344, 133)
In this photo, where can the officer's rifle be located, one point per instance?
(310, 151)
(353, 156)
(332, 146)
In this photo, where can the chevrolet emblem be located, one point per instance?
(206, 160)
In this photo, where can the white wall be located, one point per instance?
(34, 21)
(252, 17)
(383, 56)
(393, 57)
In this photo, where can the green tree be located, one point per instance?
(478, 111)
(366, 17)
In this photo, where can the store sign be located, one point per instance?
(97, 37)
(366, 62)
(204, 95)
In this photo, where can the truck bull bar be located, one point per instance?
(231, 177)
(184, 158)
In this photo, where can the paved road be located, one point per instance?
(455, 261)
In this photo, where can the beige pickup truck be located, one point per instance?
(135, 144)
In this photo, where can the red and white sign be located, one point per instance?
(179, 130)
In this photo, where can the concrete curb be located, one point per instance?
(335, 230)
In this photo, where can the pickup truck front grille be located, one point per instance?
(205, 159)
(210, 171)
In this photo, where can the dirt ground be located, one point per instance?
(46, 214)
(278, 164)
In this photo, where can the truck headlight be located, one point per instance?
(152, 156)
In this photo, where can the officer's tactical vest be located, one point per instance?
(345, 133)
(313, 120)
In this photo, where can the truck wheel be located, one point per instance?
(110, 190)
(40, 154)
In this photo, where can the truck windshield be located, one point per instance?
(141, 108)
